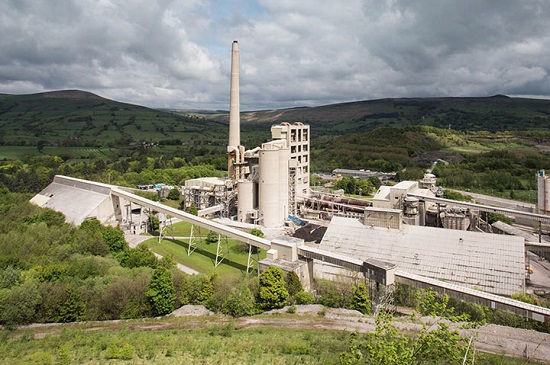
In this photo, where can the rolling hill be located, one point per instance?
(79, 118)
(496, 113)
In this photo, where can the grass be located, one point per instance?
(204, 257)
(190, 343)
(167, 341)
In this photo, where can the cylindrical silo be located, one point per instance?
(269, 187)
(543, 201)
(245, 195)
(284, 157)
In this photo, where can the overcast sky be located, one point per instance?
(293, 52)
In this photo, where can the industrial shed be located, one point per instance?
(488, 262)
(77, 199)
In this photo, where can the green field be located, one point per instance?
(20, 152)
(203, 259)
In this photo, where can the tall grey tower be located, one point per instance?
(234, 99)
(235, 152)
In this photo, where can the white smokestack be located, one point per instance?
(234, 100)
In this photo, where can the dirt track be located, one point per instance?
(490, 338)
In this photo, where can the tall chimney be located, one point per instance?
(234, 102)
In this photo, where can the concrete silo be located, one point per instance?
(272, 184)
(543, 190)
(245, 204)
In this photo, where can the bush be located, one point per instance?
(333, 294)
(303, 297)
(160, 292)
(240, 302)
(360, 300)
(272, 292)
(212, 237)
(120, 352)
(293, 284)
(174, 194)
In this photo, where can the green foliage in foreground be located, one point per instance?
(192, 344)
(206, 340)
(387, 346)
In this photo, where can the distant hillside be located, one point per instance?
(73, 118)
(79, 118)
(496, 113)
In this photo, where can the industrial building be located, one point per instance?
(269, 184)
(264, 184)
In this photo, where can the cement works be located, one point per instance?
(406, 233)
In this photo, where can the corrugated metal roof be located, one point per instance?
(77, 204)
(492, 263)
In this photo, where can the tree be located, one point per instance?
(73, 308)
(212, 237)
(18, 304)
(240, 302)
(140, 256)
(154, 223)
(174, 194)
(114, 238)
(293, 284)
(193, 210)
(207, 291)
(272, 292)
(161, 292)
(360, 299)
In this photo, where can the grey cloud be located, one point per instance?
(311, 52)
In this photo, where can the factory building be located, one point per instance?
(264, 184)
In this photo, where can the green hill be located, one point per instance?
(496, 113)
(78, 118)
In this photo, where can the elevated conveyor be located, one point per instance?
(544, 219)
(199, 221)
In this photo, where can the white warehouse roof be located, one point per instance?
(489, 262)
(76, 199)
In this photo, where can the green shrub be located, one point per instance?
(160, 292)
(272, 292)
(293, 284)
(119, 352)
(240, 302)
(360, 300)
(303, 297)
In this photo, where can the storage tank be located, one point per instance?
(284, 157)
(543, 190)
(268, 194)
(245, 202)
(410, 211)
